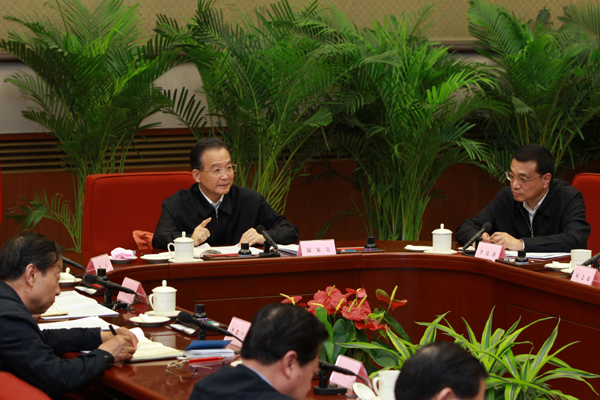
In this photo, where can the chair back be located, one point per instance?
(589, 186)
(12, 387)
(117, 204)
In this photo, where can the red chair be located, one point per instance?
(589, 186)
(117, 204)
(12, 387)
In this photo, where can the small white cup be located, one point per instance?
(162, 299)
(442, 239)
(384, 384)
(579, 255)
(183, 248)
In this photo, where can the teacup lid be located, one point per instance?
(183, 239)
(164, 288)
(442, 231)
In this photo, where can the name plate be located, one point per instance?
(587, 276)
(490, 251)
(351, 364)
(136, 287)
(239, 328)
(316, 248)
(102, 261)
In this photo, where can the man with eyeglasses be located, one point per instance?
(215, 210)
(536, 213)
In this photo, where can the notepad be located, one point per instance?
(147, 350)
(89, 322)
(79, 306)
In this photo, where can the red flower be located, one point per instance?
(372, 325)
(330, 299)
(382, 295)
(357, 311)
(360, 292)
(291, 299)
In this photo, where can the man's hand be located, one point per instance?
(486, 238)
(507, 241)
(252, 237)
(201, 233)
(121, 347)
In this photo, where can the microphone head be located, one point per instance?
(90, 279)
(260, 229)
(186, 317)
(487, 227)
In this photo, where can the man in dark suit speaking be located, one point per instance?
(215, 210)
(536, 213)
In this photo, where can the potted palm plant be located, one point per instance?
(92, 87)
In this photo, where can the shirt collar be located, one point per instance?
(259, 374)
(533, 211)
(218, 203)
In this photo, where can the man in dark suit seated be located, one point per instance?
(215, 210)
(536, 213)
(30, 267)
(441, 371)
(280, 356)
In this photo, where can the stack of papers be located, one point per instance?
(78, 306)
(289, 248)
(539, 256)
(90, 322)
(208, 348)
(147, 350)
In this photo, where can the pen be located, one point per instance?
(205, 359)
(112, 329)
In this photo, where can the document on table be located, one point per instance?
(89, 322)
(540, 256)
(147, 350)
(78, 306)
(221, 249)
(289, 248)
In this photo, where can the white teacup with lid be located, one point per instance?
(162, 299)
(183, 248)
(442, 239)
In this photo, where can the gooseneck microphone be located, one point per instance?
(187, 318)
(592, 260)
(325, 366)
(94, 280)
(261, 229)
(485, 228)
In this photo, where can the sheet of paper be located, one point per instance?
(85, 310)
(65, 300)
(288, 248)
(541, 256)
(90, 322)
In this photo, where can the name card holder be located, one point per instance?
(239, 328)
(490, 251)
(317, 248)
(102, 261)
(346, 380)
(586, 275)
(135, 286)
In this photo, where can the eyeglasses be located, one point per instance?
(521, 180)
(230, 169)
(182, 369)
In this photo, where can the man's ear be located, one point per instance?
(547, 178)
(444, 394)
(32, 274)
(196, 175)
(289, 362)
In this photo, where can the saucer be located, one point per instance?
(410, 247)
(66, 283)
(150, 322)
(558, 265)
(363, 391)
(172, 260)
(440, 251)
(156, 258)
(172, 314)
(121, 261)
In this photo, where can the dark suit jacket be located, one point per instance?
(240, 210)
(239, 383)
(34, 356)
(558, 225)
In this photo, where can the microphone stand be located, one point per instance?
(267, 253)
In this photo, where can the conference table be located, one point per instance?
(433, 284)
